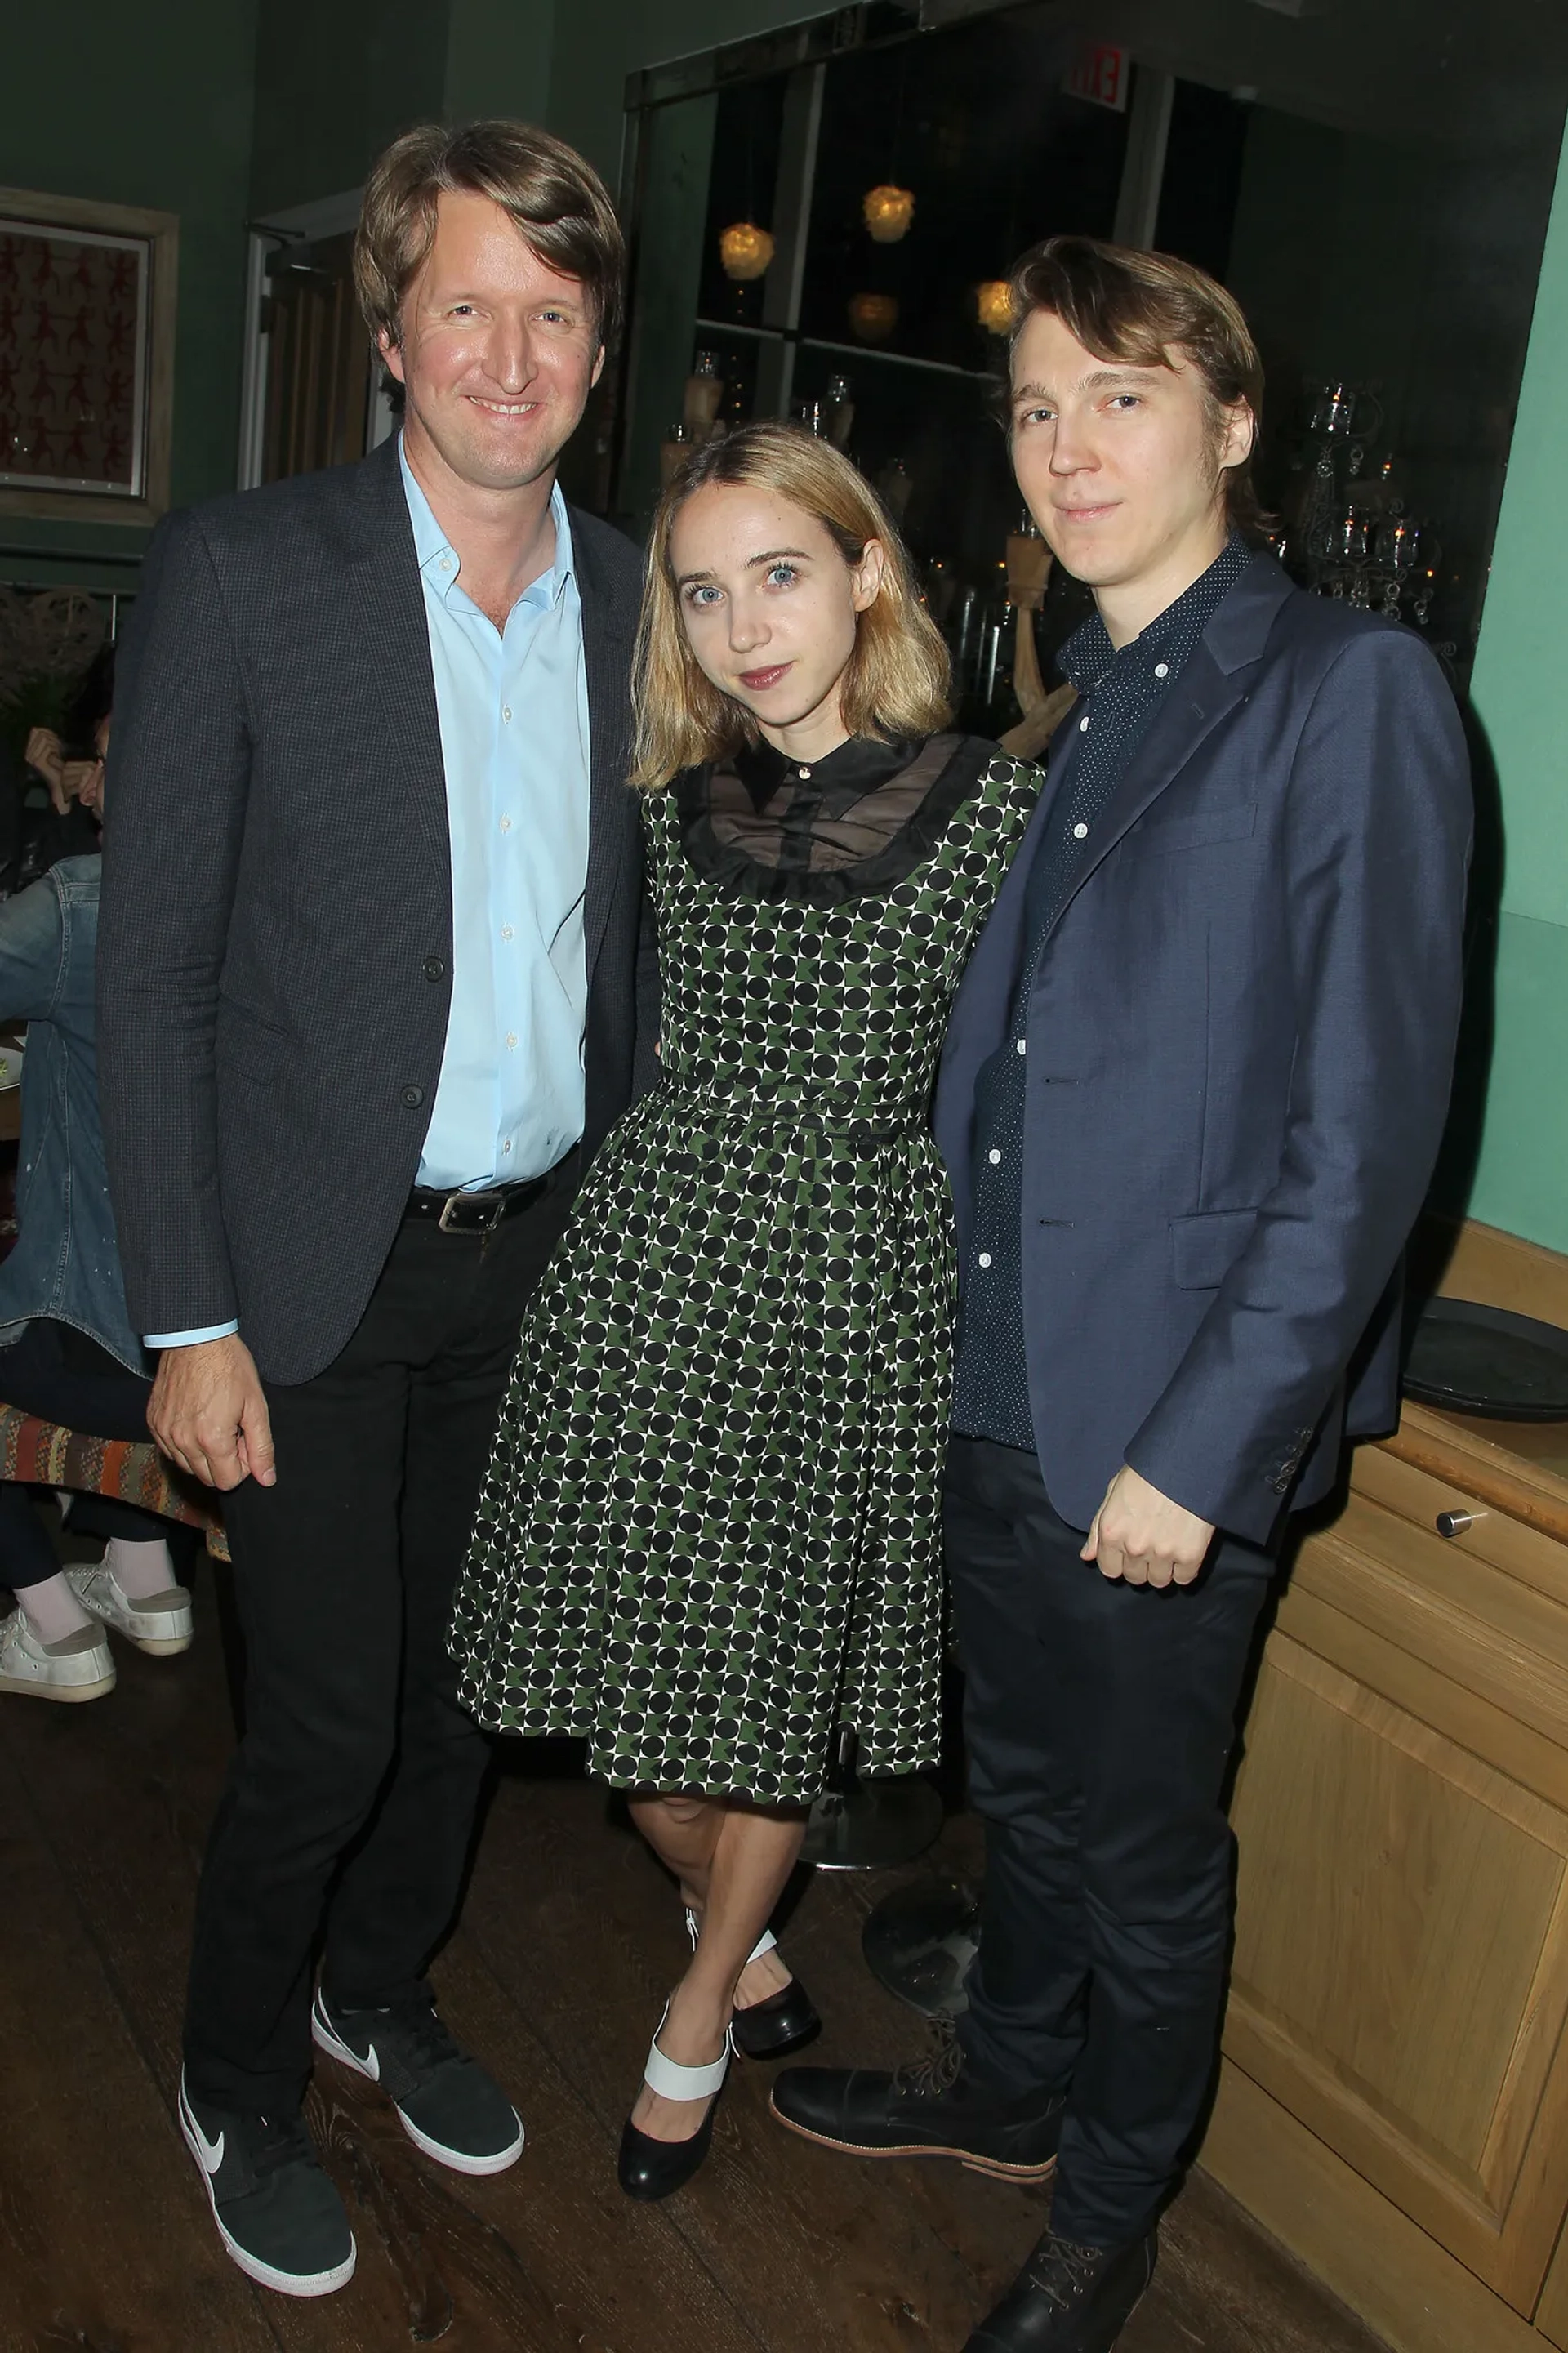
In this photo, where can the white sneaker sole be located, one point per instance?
(70, 1693)
(301, 2284)
(456, 2160)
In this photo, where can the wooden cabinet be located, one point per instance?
(1395, 2101)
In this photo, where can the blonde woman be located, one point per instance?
(709, 1533)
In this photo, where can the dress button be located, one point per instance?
(805, 772)
(995, 1157)
(1080, 832)
(1083, 724)
(1023, 1045)
(1161, 669)
(984, 1257)
(435, 968)
(412, 1097)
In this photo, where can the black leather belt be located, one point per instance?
(475, 1212)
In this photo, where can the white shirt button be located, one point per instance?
(1083, 724)
(506, 711)
(805, 772)
(984, 1257)
(1080, 832)
(506, 1147)
(506, 825)
(446, 563)
(1023, 1045)
(995, 1157)
(1161, 669)
(511, 1041)
(506, 931)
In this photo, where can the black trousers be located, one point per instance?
(349, 1806)
(63, 1376)
(1100, 1719)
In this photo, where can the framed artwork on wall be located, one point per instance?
(87, 354)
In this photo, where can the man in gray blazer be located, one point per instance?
(1192, 1097)
(374, 982)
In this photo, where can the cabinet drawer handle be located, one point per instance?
(1454, 1524)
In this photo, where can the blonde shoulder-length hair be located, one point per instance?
(898, 680)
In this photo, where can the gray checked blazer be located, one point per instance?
(275, 946)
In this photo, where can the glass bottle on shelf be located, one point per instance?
(839, 411)
(704, 392)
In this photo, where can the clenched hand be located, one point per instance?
(209, 1414)
(1142, 1535)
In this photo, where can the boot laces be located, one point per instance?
(937, 2070)
(1063, 2271)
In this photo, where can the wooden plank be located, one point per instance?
(549, 2256)
(857, 2255)
(94, 2184)
(1402, 2283)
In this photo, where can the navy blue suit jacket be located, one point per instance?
(1240, 1049)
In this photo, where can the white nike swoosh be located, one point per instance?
(210, 2151)
(371, 2063)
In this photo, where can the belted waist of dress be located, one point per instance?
(757, 1095)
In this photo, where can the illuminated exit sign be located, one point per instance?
(1102, 75)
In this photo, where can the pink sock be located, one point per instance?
(52, 1610)
(138, 1569)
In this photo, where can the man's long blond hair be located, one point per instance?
(898, 680)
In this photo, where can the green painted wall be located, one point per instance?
(150, 105)
(1521, 694)
(335, 79)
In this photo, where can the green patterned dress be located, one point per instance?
(709, 1530)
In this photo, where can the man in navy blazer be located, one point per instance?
(1192, 1093)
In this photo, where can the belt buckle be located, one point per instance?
(484, 1224)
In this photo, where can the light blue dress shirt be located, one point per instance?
(513, 706)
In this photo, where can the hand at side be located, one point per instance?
(209, 1414)
(1141, 1535)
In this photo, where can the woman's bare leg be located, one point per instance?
(683, 1832)
(749, 1855)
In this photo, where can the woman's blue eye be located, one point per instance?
(781, 574)
(700, 595)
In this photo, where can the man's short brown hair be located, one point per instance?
(558, 202)
(1136, 307)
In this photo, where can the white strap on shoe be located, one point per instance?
(766, 1943)
(673, 2081)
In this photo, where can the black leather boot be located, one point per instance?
(1069, 2299)
(929, 2109)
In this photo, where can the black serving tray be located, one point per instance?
(1485, 1360)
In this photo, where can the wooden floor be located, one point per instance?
(570, 1940)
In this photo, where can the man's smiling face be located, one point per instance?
(1122, 465)
(500, 352)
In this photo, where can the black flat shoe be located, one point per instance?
(785, 2020)
(651, 2169)
(766, 2029)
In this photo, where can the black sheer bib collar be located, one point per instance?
(848, 826)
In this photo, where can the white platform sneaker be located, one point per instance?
(159, 1623)
(78, 1668)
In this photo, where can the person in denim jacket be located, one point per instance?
(67, 1349)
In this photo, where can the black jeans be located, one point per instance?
(1100, 1719)
(351, 1801)
(62, 1375)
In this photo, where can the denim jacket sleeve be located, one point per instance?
(32, 943)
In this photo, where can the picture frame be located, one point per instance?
(86, 358)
